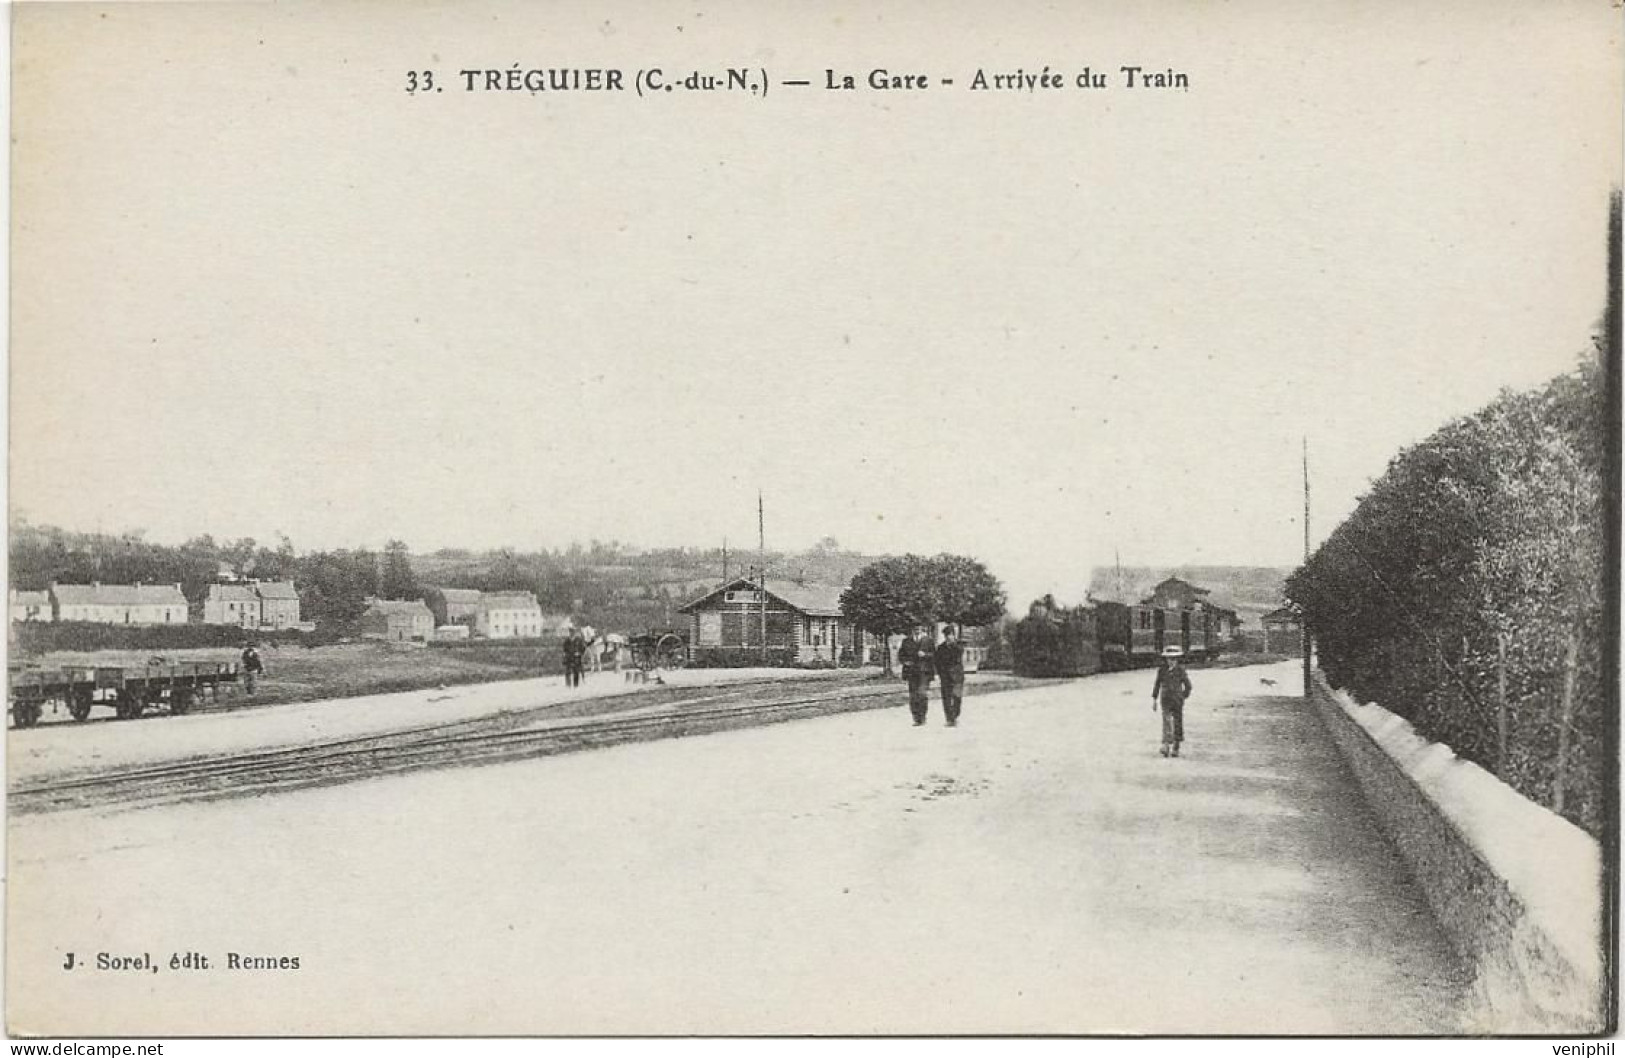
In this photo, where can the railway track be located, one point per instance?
(485, 740)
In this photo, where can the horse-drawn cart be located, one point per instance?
(658, 650)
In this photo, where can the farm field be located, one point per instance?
(344, 670)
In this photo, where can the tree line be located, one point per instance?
(611, 584)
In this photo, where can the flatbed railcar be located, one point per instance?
(129, 689)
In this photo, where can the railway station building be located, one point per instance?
(803, 622)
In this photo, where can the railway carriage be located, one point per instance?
(1109, 636)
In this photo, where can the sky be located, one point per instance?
(259, 288)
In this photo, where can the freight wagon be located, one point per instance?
(128, 690)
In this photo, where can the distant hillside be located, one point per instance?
(1252, 590)
(618, 585)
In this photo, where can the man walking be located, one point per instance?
(253, 667)
(1171, 689)
(915, 658)
(575, 648)
(950, 662)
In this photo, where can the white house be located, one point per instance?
(508, 615)
(120, 604)
(31, 605)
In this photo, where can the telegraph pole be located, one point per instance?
(1302, 624)
(761, 550)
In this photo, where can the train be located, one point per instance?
(129, 689)
(1103, 636)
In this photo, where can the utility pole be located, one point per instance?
(761, 550)
(1304, 625)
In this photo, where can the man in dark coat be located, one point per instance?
(575, 648)
(915, 658)
(1170, 690)
(253, 667)
(950, 662)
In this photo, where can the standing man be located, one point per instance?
(950, 662)
(1172, 687)
(575, 647)
(252, 667)
(915, 659)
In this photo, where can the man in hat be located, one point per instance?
(253, 667)
(950, 664)
(915, 659)
(1171, 689)
(575, 648)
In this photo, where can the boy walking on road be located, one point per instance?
(915, 659)
(1173, 686)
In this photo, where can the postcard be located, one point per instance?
(833, 519)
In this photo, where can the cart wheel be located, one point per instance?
(26, 714)
(79, 706)
(670, 653)
(180, 701)
(131, 704)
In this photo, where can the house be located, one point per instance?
(397, 620)
(279, 603)
(462, 605)
(451, 633)
(556, 625)
(803, 621)
(508, 615)
(252, 604)
(31, 606)
(232, 604)
(120, 604)
(1283, 631)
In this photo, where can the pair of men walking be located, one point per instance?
(921, 661)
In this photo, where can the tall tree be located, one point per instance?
(966, 593)
(891, 596)
(397, 580)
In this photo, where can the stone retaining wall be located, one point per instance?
(1516, 888)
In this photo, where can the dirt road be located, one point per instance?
(1038, 869)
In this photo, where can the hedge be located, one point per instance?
(41, 637)
(1467, 593)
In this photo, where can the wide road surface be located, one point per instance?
(1038, 869)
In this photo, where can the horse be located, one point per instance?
(595, 648)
